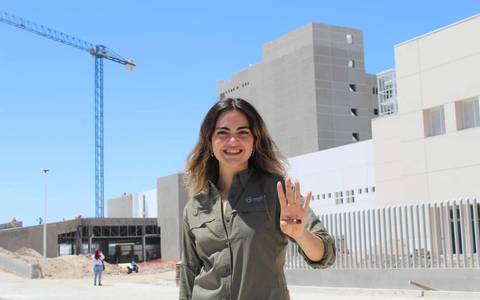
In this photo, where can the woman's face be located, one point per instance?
(232, 141)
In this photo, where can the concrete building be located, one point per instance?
(134, 205)
(311, 88)
(429, 150)
(120, 239)
(172, 197)
(340, 179)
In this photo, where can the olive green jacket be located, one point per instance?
(240, 256)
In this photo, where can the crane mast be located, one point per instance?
(99, 52)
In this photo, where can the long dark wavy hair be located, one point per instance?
(202, 166)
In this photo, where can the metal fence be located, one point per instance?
(438, 235)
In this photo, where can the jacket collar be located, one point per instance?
(211, 194)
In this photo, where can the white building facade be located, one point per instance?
(134, 205)
(430, 150)
(340, 179)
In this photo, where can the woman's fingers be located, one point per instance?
(281, 195)
(307, 201)
(290, 193)
(298, 196)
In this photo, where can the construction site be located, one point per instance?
(391, 160)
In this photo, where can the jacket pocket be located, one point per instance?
(208, 232)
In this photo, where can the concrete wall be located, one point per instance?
(32, 237)
(438, 279)
(335, 170)
(301, 89)
(134, 205)
(437, 69)
(149, 207)
(121, 207)
(172, 197)
(19, 267)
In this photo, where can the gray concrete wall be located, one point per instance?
(301, 89)
(120, 207)
(30, 237)
(438, 279)
(172, 197)
(16, 266)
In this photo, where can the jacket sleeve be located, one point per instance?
(316, 227)
(191, 263)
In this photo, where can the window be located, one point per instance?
(338, 198)
(329, 195)
(468, 114)
(434, 121)
(375, 90)
(351, 63)
(350, 196)
(355, 137)
(352, 87)
(354, 112)
(359, 191)
(349, 38)
(373, 189)
(365, 190)
(375, 111)
(323, 196)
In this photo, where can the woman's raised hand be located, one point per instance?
(293, 213)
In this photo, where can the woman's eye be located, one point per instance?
(244, 132)
(221, 132)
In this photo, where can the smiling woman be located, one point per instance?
(242, 212)
(232, 142)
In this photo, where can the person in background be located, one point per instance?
(97, 259)
(133, 267)
(242, 212)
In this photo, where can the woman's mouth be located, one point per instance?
(232, 151)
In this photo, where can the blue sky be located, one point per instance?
(152, 115)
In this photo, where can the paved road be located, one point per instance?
(16, 288)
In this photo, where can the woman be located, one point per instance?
(242, 213)
(97, 259)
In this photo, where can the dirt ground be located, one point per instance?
(80, 266)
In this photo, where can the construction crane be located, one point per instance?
(100, 52)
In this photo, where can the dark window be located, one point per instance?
(115, 231)
(132, 230)
(123, 231)
(354, 112)
(97, 230)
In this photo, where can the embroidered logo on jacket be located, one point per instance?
(254, 200)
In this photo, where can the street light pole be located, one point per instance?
(45, 171)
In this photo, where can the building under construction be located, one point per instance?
(120, 239)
